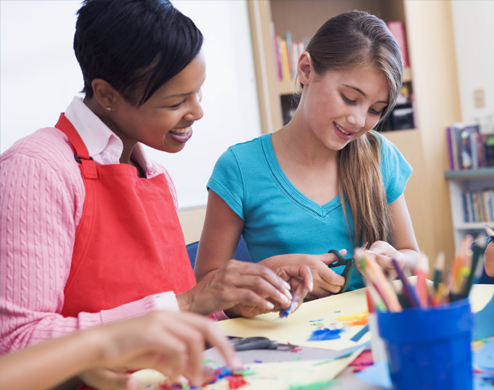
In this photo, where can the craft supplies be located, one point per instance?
(429, 349)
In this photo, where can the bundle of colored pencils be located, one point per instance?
(448, 285)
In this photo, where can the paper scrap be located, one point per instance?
(484, 358)
(363, 361)
(377, 375)
(361, 333)
(325, 334)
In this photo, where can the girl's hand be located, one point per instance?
(325, 280)
(236, 282)
(172, 343)
(383, 253)
(489, 259)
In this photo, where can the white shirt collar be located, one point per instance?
(102, 144)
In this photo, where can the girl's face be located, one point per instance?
(341, 106)
(165, 121)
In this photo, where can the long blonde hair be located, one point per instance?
(348, 41)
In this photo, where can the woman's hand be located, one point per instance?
(298, 276)
(254, 286)
(325, 280)
(172, 343)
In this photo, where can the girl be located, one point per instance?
(325, 180)
(166, 341)
(89, 226)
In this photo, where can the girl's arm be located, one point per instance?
(220, 236)
(172, 343)
(404, 246)
(489, 259)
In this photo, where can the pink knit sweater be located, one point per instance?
(41, 202)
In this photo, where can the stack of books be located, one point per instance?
(287, 54)
(478, 206)
(468, 148)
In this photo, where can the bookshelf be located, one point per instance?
(430, 40)
(459, 182)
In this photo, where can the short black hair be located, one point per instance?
(135, 45)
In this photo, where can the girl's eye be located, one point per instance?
(374, 112)
(348, 100)
(177, 105)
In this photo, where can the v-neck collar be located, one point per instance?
(287, 186)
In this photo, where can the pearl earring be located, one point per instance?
(108, 108)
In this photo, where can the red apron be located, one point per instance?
(129, 243)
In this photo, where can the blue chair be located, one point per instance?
(241, 253)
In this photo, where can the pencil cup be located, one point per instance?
(429, 349)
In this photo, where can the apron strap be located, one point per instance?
(81, 155)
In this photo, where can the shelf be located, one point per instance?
(289, 87)
(473, 225)
(470, 174)
(407, 75)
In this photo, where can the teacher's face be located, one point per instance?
(165, 121)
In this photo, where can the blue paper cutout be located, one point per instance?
(360, 334)
(325, 334)
(285, 313)
(484, 326)
(377, 374)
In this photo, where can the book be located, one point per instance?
(287, 53)
(478, 206)
(277, 56)
(467, 147)
(489, 150)
(285, 61)
(290, 54)
(450, 150)
(398, 30)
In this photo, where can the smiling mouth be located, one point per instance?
(181, 131)
(340, 129)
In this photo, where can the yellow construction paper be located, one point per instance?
(352, 317)
(296, 329)
(269, 376)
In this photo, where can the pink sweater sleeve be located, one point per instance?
(41, 200)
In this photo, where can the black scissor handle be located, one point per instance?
(347, 272)
(249, 343)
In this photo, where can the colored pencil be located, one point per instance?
(421, 286)
(438, 269)
(384, 289)
(407, 288)
(376, 299)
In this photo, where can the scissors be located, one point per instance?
(348, 263)
(249, 343)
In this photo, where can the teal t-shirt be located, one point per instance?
(279, 219)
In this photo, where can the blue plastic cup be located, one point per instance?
(429, 349)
